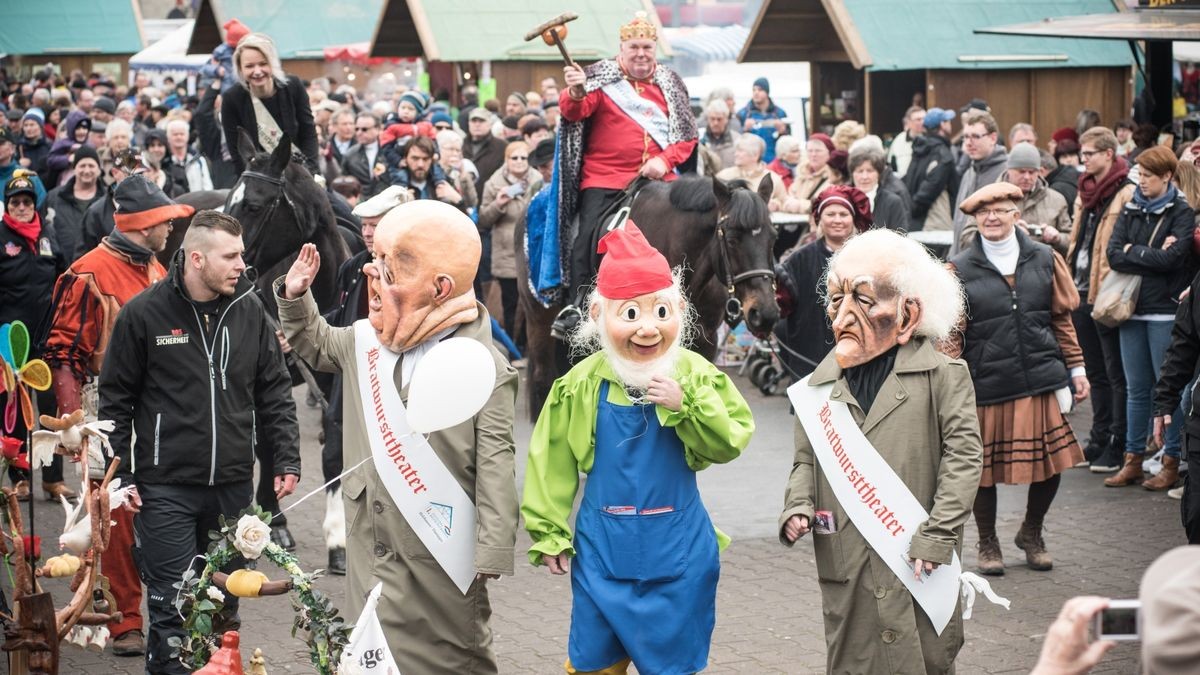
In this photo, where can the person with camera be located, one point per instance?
(1152, 239)
(506, 195)
(1044, 213)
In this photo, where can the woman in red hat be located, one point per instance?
(640, 417)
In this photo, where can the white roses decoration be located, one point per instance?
(252, 536)
(215, 594)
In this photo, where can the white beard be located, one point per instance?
(637, 374)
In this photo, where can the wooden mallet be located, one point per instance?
(553, 32)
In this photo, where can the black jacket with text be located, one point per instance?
(193, 396)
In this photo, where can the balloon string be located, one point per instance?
(329, 482)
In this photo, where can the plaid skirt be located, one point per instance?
(1026, 441)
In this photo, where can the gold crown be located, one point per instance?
(640, 28)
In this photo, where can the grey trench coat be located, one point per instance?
(923, 424)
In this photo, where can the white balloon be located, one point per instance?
(451, 383)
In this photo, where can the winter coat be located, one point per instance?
(1179, 368)
(766, 131)
(69, 213)
(38, 154)
(502, 220)
(237, 111)
(722, 145)
(432, 627)
(1165, 272)
(27, 276)
(488, 156)
(923, 423)
(986, 171)
(805, 326)
(98, 221)
(190, 176)
(211, 139)
(1103, 230)
(354, 163)
(889, 211)
(1009, 342)
(890, 182)
(194, 397)
(1065, 181)
(59, 160)
(930, 180)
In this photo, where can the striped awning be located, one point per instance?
(708, 43)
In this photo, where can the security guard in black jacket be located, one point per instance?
(193, 368)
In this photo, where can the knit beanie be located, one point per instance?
(85, 152)
(417, 100)
(764, 84)
(234, 31)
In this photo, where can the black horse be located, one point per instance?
(720, 234)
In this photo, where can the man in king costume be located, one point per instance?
(621, 118)
(888, 458)
(640, 417)
(419, 292)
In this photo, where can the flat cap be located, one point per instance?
(380, 204)
(989, 194)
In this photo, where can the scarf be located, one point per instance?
(453, 312)
(1003, 254)
(1157, 204)
(121, 243)
(1093, 191)
(29, 231)
(866, 380)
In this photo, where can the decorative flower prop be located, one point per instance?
(200, 601)
(252, 536)
(19, 375)
(10, 450)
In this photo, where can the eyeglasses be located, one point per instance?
(975, 137)
(519, 158)
(21, 201)
(1085, 155)
(987, 213)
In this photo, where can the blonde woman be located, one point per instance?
(267, 103)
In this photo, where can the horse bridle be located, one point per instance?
(733, 306)
(280, 194)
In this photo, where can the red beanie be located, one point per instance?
(855, 201)
(824, 139)
(1065, 133)
(631, 266)
(234, 32)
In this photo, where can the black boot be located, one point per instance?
(283, 537)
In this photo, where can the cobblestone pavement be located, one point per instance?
(768, 606)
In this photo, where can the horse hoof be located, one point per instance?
(337, 561)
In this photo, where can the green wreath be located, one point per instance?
(326, 633)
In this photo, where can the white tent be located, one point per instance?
(170, 53)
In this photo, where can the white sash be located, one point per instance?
(423, 489)
(269, 133)
(647, 115)
(879, 504)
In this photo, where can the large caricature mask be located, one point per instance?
(426, 254)
(869, 315)
(639, 309)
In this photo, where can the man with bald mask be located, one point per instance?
(419, 292)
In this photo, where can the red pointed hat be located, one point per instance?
(631, 266)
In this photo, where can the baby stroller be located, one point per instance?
(766, 370)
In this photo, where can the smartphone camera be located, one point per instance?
(1121, 621)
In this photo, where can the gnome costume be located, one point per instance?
(645, 570)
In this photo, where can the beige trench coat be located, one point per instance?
(431, 627)
(923, 424)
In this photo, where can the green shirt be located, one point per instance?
(714, 423)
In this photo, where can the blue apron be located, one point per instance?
(644, 579)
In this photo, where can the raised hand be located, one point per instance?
(302, 273)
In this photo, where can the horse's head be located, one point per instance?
(745, 237)
(263, 202)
